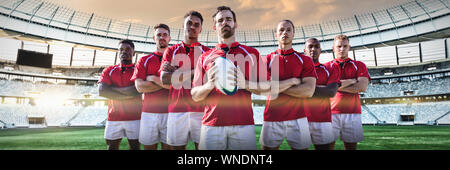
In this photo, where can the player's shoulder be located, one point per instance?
(111, 67)
(330, 64)
(173, 47)
(302, 59)
(208, 52)
(270, 55)
(205, 48)
(143, 58)
(249, 49)
(148, 58)
(303, 56)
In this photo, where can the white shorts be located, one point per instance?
(120, 129)
(295, 131)
(153, 128)
(321, 132)
(239, 137)
(182, 127)
(348, 126)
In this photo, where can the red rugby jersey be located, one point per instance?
(180, 100)
(318, 109)
(345, 102)
(291, 64)
(158, 101)
(121, 110)
(221, 109)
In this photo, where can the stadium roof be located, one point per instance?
(413, 21)
(409, 22)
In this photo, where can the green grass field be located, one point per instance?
(91, 138)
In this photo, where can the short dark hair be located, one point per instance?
(312, 39)
(194, 13)
(290, 22)
(223, 8)
(161, 25)
(127, 41)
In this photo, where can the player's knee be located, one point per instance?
(134, 144)
(165, 146)
(113, 144)
(151, 147)
(350, 146)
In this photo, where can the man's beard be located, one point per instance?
(126, 58)
(191, 34)
(162, 45)
(227, 33)
(126, 61)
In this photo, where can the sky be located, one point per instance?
(251, 14)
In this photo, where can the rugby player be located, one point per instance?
(346, 105)
(153, 127)
(284, 116)
(228, 121)
(124, 104)
(317, 108)
(184, 118)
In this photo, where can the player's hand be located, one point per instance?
(347, 82)
(211, 75)
(152, 78)
(168, 68)
(295, 81)
(240, 79)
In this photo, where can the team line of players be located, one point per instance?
(315, 103)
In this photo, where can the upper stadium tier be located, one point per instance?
(408, 23)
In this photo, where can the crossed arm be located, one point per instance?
(152, 84)
(168, 70)
(354, 86)
(305, 88)
(117, 93)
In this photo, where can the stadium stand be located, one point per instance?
(418, 87)
(90, 116)
(14, 114)
(95, 115)
(20, 87)
(444, 119)
(424, 112)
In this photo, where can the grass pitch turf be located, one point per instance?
(91, 138)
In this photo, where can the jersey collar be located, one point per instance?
(285, 52)
(222, 46)
(128, 65)
(124, 67)
(317, 64)
(342, 61)
(158, 54)
(190, 45)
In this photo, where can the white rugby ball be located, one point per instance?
(225, 81)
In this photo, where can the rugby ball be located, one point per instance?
(225, 80)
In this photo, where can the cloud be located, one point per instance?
(250, 13)
(133, 20)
